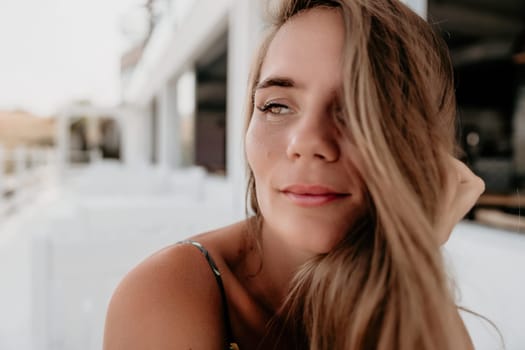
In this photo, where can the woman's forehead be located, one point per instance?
(307, 48)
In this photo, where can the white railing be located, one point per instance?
(23, 172)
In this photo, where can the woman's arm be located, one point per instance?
(170, 301)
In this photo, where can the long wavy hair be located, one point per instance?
(384, 286)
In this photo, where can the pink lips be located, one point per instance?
(312, 195)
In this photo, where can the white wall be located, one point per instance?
(419, 6)
(488, 264)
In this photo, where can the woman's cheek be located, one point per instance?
(263, 142)
(250, 144)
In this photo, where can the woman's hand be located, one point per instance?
(461, 191)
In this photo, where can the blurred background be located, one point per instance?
(121, 127)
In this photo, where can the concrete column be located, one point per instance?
(126, 139)
(244, 33)
(93, 138)
(62, 146)
(20, 160)
(418, 6)
(135, 136)
(151, 126)
(31, 162)
(169, 134)
(92, 132)
(50, 159)
(35, 157)
(143, 119)
(186, 106)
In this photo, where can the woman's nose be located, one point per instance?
(313, 137)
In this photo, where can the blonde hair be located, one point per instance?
(384, 285)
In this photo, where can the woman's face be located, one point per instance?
(301, 155)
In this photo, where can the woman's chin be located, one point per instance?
(315, 240)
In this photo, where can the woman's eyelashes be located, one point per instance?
(339, 115)
(274, 108)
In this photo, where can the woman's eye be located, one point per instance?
(274, 108)
(339, 115)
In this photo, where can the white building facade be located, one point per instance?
(188, 90)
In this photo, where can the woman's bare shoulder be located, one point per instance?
(169, 301)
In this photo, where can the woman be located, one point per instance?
(353, 188)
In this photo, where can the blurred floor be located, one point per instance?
(63, 254)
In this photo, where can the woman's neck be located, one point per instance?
(273, 268)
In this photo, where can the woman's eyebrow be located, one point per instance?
(275, 81)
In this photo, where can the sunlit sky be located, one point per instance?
(55, 51)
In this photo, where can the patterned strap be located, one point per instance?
(226, 315)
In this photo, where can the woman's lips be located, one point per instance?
(312, 195)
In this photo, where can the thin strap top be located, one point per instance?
(232, 345)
